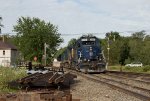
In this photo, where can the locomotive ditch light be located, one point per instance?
(90, 48)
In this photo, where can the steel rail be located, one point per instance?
(98, 80)
(122, 83)
(123, 77)
(129, 73)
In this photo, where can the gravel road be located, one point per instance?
(87, 90)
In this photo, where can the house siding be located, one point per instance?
(5, 60)
(14, 55)
(9, 58)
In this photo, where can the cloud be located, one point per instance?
(80, 16)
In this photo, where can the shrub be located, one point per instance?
(146, 68)
(9, 74)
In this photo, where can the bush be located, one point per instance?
(9, 74)
(131, 69)
(146, 68)
(134, 69)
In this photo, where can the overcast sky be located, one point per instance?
(80, 16)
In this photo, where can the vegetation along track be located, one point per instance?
(138, 92)
(132, 75)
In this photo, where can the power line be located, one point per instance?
(94, 33)
(64, 34)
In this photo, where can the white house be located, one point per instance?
(8, 54)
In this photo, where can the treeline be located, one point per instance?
(123, 50)
(34, 33)
(135, 48)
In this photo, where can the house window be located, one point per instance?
(3, 52)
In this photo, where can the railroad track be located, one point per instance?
(137, 76)
(138, 92)
(123, 84)
(128, 78)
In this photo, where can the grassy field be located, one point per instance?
(144, 69)
(7, 75)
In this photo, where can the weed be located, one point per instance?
(9, 74)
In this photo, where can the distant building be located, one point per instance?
(8, 54)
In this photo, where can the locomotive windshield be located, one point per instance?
(88, 42)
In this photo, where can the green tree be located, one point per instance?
(139, 35)
(113, 39)
(139, 50)
(139, 47)
(113, 35)
(72, 42)
(60, 51)
(32, 33)
(124, 53)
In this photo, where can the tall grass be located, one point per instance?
(9, 74)
(144, 69)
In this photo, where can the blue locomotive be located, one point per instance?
(85, 55)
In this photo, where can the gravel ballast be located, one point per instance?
(87, 90)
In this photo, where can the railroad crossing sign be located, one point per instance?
(35, 58)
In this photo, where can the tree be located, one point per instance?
(72, 42)
(60, 52)
(124, 53)
(139, 50)
(139, 35)
(113, 35)
(32, 34)
(0, 23)
(112, 40)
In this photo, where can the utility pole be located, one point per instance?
(45, 53)
(0, 25)
(144, 38)
(108, 50)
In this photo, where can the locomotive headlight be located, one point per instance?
(90, 48)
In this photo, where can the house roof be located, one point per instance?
(4, 45)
